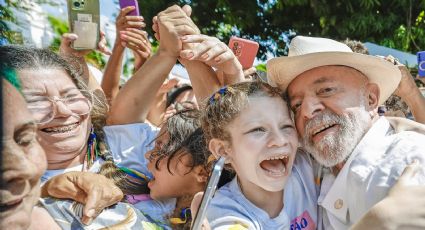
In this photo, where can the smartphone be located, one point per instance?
(84, 20)
(125, 3)
(245, 50)
(421, 63)
(208, 193)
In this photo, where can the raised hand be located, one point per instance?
(124, 21)
(172, 24)
(65, 48)
(213, 52)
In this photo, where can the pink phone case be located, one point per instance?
(125, 3)
(245, 50)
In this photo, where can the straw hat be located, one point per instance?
(306, 53)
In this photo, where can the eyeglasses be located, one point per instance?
(44, 109)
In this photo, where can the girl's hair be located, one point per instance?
(21, 58)
(185, 137)
(227, 103)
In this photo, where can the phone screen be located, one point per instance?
(209, 193)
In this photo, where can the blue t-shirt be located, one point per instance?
(230, 209)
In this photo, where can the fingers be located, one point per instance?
(123, 21)
(66, 41)
(155, 27)
(187, 9)
(124, 11)
(209, 49)
(196, 202)
(249, 72)
(137, 41)
(194, 206)
(100, 193)
(91, 204)
(102, 44)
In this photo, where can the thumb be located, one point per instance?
(196, 202)
(187, 9)
(408, 174)
(89, 211)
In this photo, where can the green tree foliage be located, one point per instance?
(397, 24)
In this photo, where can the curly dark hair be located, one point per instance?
(185, 137)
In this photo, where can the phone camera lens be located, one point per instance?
(76, 4)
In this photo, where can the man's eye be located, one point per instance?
(327, 90)
(295, 107)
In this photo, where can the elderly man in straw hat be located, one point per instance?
(334, 94)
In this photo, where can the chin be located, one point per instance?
(17, 219)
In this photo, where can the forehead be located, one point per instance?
(40, 79)
(263, 109)
(324, 75)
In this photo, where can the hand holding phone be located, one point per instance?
(84, 21)
(209, 193)
(125, 3)
(245, 50)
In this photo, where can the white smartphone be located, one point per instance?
(209, 193)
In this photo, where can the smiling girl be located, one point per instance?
(249, 123)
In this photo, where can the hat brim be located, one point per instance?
(282, 70)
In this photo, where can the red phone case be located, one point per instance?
(245, 50)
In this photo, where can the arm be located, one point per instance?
(111, 77)
(136, 97)
(202, 77)
(409, 92)
(403, 208)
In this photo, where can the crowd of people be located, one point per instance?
(305, 150)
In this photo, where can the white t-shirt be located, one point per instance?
(230, 209)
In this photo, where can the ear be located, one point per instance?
(219, 148)
(373, 93)
(201, 174)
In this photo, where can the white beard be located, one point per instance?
(336, 148)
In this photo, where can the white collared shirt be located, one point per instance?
(372, 169)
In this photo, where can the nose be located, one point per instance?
(310, 107)
(277, 139)
(62, 109)
(17, 170)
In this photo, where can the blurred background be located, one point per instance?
(394, 27)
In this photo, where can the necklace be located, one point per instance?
(92, 151)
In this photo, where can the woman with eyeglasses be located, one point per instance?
(72, 129)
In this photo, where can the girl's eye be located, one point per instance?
(287, 127)
(259, 129)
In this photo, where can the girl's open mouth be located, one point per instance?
(275, 166)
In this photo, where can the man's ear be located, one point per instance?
(373, 96)
(219, 148)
